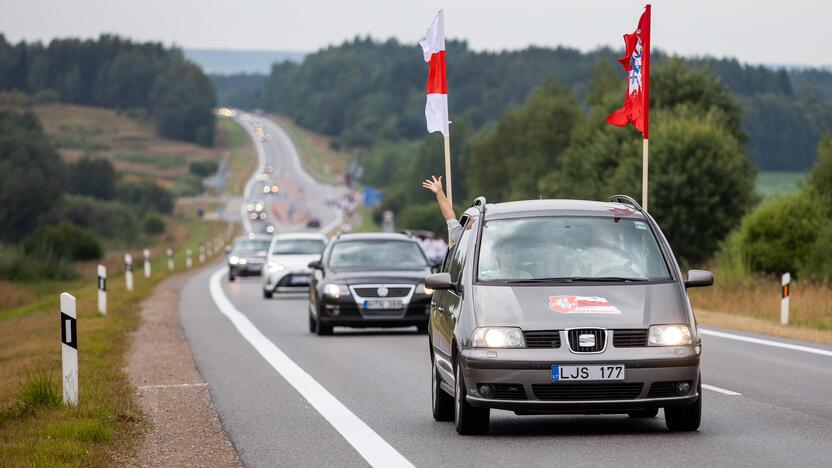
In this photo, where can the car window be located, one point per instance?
(568, 247)
(457, 261)
(252, 244)
(377, 254)
(298, 247)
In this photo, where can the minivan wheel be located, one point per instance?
(685, 418)
(469, 420)
(643, 413)
(441, 403)
(267, 293)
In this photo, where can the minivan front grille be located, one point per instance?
(629, 338)
(392, 291)
(577, 338)
(585, 392)
(542, 338)
(509, 392)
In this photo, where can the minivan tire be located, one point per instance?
(442, 404)
(469, 420)
(268, 293)
(685, 418)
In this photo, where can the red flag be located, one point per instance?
(433, 49)
(637, 63)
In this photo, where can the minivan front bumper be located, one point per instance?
(523, 379)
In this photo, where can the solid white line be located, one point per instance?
(367, 442)
(760, 341)
(184, 385)
(721, 390)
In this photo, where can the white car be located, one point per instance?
(287, 263)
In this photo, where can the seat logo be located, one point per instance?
(586, 340)
(383, 292)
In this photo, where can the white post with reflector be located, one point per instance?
(169, 252)
(147, 271)
(128, 271)
(188, 260)
(785, 283)
(210, 249)
(69, 349)
(201, 253)
(102, 290)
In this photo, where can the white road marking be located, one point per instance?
(367, 442)
(183, 385)
(721, 390)
(760, 341)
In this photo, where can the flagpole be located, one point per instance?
(448, 169)
(644, 163)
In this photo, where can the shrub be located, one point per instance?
(92, 176)
(203, 168)
(15, 265)
(154, 224)
(108, 219)
(62, 241)
(779, 235)
(145, 196)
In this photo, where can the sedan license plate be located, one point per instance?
(587, 373)
(383, 304)
(299, 280)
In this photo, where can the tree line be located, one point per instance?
(365, 92)
(113, 72)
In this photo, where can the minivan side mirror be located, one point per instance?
(316, 265)
(699, 278)
(439, 281)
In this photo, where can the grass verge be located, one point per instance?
(318, 157)
(241, 163)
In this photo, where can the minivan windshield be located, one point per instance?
(389, 254)
(298, 247)
(569, 249)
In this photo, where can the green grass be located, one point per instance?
(778, 182)
(368, 224)
(163, 161)
(243, 156)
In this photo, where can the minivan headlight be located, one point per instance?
(498, 337)
(669, 335)
(335, 290)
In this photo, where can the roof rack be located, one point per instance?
(480, 203)
(625, 199)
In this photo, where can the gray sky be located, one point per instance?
(762, 31)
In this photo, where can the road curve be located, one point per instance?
(765, 405)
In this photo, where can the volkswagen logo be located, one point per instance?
(383, 292)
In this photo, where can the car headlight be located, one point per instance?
(498, 337)
(243, 261)
(234, 260)
(274, 267)
(422, 289)
(335, 291)
(669, 335)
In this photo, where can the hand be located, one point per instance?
(433, 184)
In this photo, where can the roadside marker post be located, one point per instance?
(69, 349)
(210, 250)
(188, 261)
(147, 271)
(201, 253)
(785, 283)
(169, 252)
(128, 271)
(102, 290)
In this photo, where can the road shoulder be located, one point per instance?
(184, 427)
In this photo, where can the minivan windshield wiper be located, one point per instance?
(579, 279)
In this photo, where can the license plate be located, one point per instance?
(299, 280)
(383, 304)
(573, 373)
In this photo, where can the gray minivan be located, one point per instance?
(563, 306)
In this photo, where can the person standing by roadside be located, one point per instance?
(434, 184)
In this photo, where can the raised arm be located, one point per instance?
(434, 184)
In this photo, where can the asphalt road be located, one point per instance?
(289, 398)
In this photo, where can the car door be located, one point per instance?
(447, 307)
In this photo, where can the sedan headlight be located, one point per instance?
(233, 259)
(669, 335)
(498, 337)
(274, 267)
(242, 261)
(422, 289)
(335, 290)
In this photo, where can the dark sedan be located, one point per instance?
(369, 280)
(246, 255)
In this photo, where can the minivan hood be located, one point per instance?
(607, 306)
(373, 277)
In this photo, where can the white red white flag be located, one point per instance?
(433, 49)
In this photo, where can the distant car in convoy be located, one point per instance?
(287, 263)
(246, 256)
(369, 280)
(313, 223)
(563, 306)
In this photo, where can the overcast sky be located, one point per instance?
(762, 31)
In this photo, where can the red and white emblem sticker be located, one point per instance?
(581, 305)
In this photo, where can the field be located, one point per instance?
(778, 182)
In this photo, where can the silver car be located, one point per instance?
(287, 263)
(563, 306)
